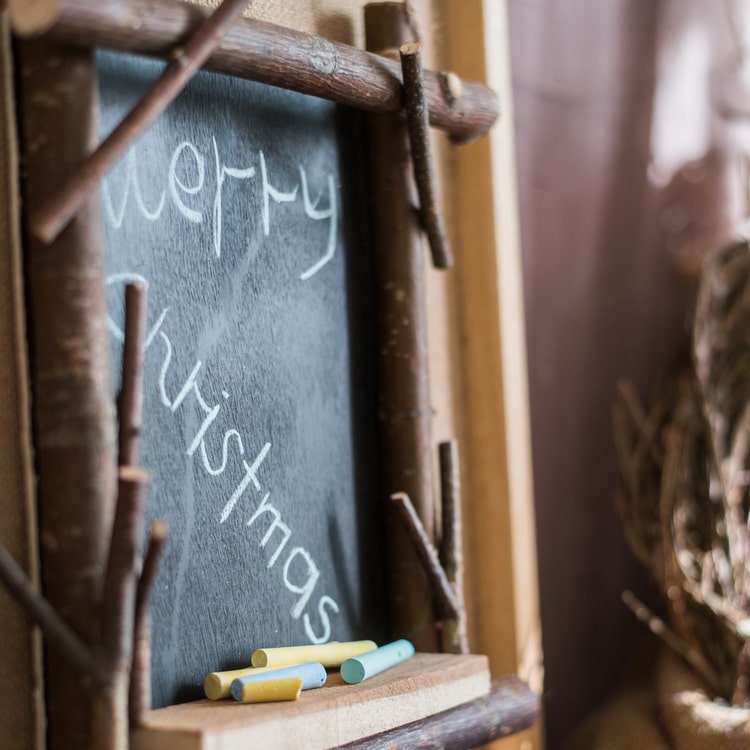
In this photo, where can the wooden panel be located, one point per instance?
(327, 717)
(500, 524)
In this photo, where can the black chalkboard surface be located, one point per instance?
(243, 209)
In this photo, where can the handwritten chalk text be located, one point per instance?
(187, 182)
(299, 572)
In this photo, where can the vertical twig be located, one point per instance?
(110, 714)
(130, 401)
(427, 555)
(451, 550)
(140, 674)
(59, 209)
(122, 567)
(417, 119)
(455, 638)
(404, 406)
(55, 629)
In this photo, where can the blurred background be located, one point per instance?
(632, 131)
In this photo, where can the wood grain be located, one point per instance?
(69, 342)
(404, 407)
(130, 399)
(501, 577)
(262, 52)
(139, 700)
(418, 125)
(327, 717)
(507, 709)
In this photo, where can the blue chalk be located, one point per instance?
(312, 674)
(361, 667)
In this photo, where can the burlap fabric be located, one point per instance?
(664, 708)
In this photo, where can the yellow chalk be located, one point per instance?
(332, 654)
(267, 691)
(217, 685)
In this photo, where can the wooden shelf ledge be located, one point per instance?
(337, 714)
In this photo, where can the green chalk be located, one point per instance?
(367, 665)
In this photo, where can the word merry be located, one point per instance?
(185, 195)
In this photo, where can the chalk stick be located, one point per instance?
(312, 674)
(267, 691)
(217, 685)
(332, 654)
(359, 668)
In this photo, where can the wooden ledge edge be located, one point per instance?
(510, 707)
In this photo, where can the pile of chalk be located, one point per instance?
(280, 674)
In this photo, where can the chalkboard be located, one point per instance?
(244, 211)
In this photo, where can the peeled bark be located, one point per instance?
(73, 408)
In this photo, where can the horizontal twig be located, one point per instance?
(263, 52)
(55, 213)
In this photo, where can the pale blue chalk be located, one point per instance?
(361, 667)
(312, 674)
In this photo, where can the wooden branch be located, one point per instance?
(404, 407)
(451, 548)
(120, 583)
(55, 629)
(140, 675)
(52, 216)
(262, 52)
(428, 556)
(74, 425)
(130, 401)
(110, 724)
(418, 124)
(454, 636)
(508, 708)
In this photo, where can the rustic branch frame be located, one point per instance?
(64, 29)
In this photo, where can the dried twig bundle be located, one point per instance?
(685, 469)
